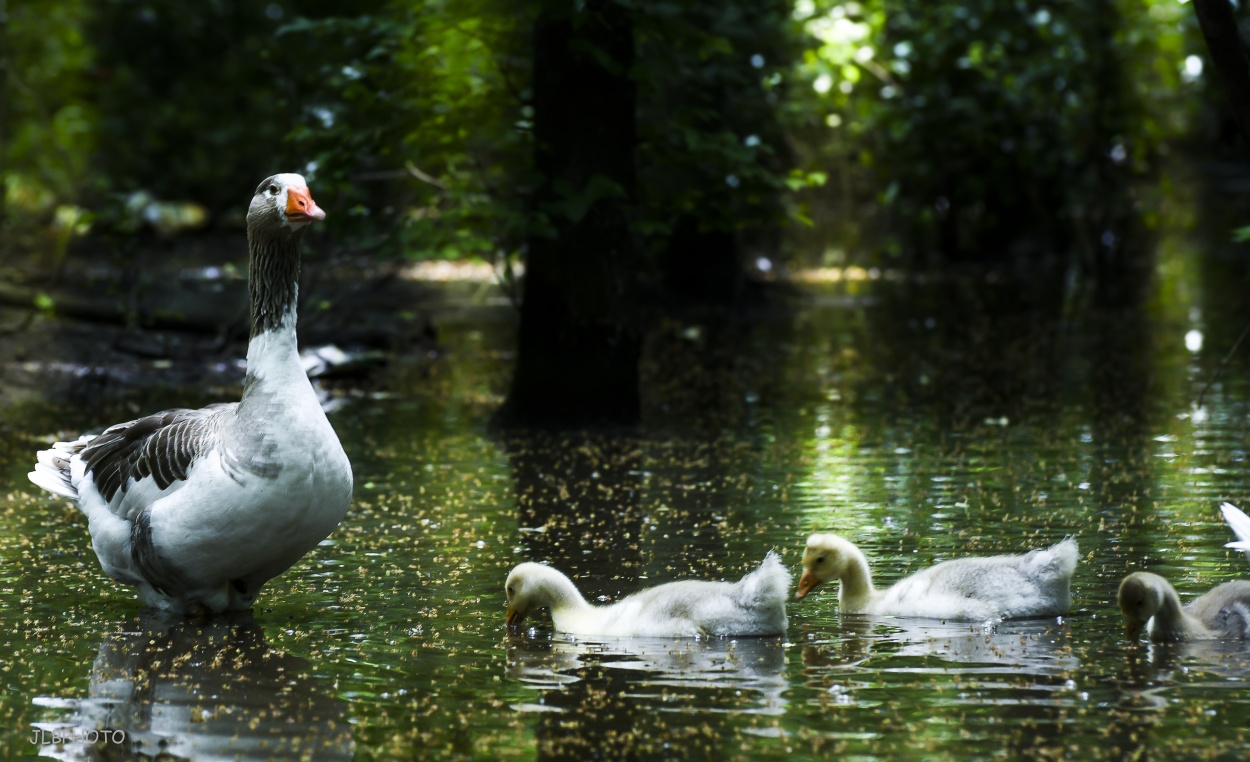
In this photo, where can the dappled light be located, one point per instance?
(644, 293)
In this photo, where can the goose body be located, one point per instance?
(199, 508)
(1148, 601)
(754, 605)
(965, 589)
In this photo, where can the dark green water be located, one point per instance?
(926, 418)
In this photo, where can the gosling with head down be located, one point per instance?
(1149, 601)
(754, 605)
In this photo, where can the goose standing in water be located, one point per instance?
(754, 605)
(199, 508)
(1149, 601)
(965, 589)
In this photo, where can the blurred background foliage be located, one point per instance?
(965, 129)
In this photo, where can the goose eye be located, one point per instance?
(273, 189)
(820, 559)
(511, 592)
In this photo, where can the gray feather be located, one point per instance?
(158, 572)
(162, 446)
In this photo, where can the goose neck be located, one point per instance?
(565, 600)
(857, 589)
(1173, 622)
(273, 282)
(273, 289)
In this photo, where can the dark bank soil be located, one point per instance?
(173, 313)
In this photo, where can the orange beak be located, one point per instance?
(514, 617)
(300, 207)
(806, 583)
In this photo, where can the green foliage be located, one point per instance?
(193, 104)
(965, 125)
(986, 121)
(51, 124)
(712, 77)
(420, 123)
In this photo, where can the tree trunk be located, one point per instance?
(579, 341)
(1219, 28)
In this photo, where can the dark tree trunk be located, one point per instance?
(579, 341)
(703, 266)
(1219, 28)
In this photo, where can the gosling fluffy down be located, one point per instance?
(967, 589)
(754, 605)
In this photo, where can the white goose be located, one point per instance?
(754, 605)
(1149, 601)
(965, 589)
(199, 508)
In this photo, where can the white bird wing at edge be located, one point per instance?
(1239, 522)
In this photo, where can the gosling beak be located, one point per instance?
(514, 617)
(806, 583)
(300, 207)
(1133, 627)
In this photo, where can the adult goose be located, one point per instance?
(199, 508)
(1148, 601)
(754, 605)
(964, 589)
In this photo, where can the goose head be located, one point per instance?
(282, 203)
(531, 587)
(1141, 597)
(826, 557)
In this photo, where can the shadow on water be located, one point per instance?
(576, 498)
(198, 689)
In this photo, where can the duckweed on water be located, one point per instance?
(388, 642)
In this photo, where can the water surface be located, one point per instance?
(926, 418)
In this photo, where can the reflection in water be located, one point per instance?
(950, 673)
(199, 689)
(1153, 669)
(1154, 676)
(620, 691)
(1029, 646)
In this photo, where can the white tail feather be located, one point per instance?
(767, 584)
(52, 471)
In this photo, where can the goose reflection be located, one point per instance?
(633, 693)
(976, 668)
(1155, 675)
(1036, 647)
(178, 688)
(1153, 671)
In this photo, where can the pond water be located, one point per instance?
(926, 418)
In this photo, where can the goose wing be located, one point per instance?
(1239, 522)
(150, 455)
